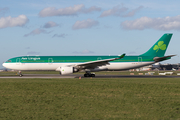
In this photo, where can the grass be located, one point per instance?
(124, 98)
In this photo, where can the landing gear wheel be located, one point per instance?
(85, 75)
(92, 75)
(89, 75)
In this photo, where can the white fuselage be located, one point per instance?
(56, 66)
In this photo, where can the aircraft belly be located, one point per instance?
(54, 66)
(34, 66)
(127, 65)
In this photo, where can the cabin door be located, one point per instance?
(50, 61)
(18, 61)
(139, 60)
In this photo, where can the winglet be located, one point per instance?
(120, 57)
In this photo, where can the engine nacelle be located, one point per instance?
(67, 70)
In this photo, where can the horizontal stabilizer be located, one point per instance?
(158, 59)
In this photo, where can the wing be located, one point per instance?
(94, 64)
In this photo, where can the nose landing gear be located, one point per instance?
(20, 74)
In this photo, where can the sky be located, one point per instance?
(86, 27)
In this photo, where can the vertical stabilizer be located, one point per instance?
(160, 47)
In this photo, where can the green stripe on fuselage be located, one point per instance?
(76, 59)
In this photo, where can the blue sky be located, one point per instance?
(86, 27)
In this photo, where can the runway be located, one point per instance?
(81, 76)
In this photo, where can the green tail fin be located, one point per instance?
(160, 47)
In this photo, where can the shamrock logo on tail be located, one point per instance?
(160, 45)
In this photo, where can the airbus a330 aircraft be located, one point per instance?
(72, 64)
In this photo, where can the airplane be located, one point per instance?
(71, 64)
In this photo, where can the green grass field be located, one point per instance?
(123, 98)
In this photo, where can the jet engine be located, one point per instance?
(67, 70)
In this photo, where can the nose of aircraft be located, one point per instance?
(4, 65)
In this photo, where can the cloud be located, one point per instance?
(91, 9)
(36, 32)
(68, 11)
(84, 52)
(50, 24)
(133, 12)
(166, 23)
(5, 22)
(120, 11)
(61, 35)
(115, 11)
(85, 24)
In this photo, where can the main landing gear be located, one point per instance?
(89, 74)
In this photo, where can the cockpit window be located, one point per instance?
(9, 61)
